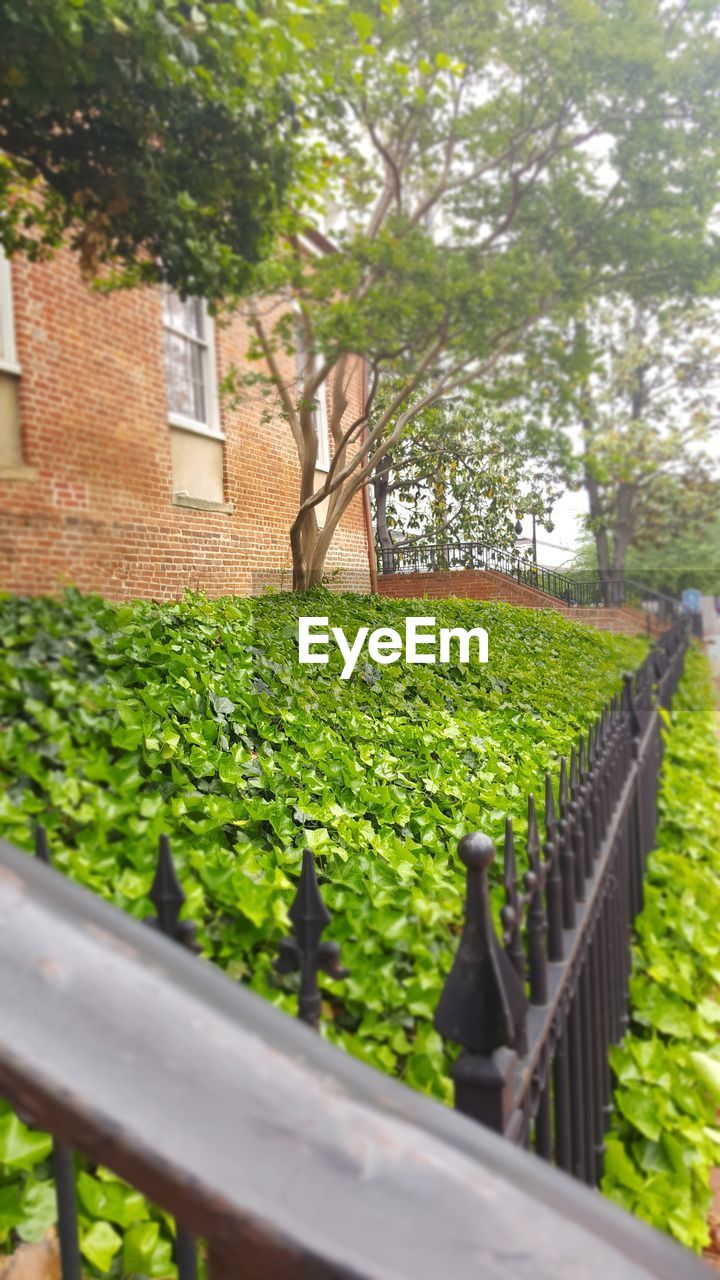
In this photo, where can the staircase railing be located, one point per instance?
(577, 590)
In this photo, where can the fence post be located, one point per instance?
(567, 857)
(537, 925)
(483, 1006)
(305, 951)
(551, 851)
(637, 822)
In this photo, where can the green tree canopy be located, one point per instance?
(465, 474)
(488, 164)
(636, 381)
(160, 134)
(690, 558)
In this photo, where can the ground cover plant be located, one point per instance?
(123, 721)
(665, 1137)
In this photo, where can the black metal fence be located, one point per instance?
(537, 1005)
(148, 1061)
(576, 589)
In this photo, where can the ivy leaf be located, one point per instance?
(99, 1244)
(146, 1253)
(641, 1110)
(619, 1166)
(39, 1210)
(20, 1147)
(11, 1210)
(708, 1070)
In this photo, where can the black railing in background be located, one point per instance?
(537, 1010)
(439, 557)
(287, 1157)
(577, 589)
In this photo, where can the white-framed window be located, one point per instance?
(8, 351)
(320, 414)
(190, 365)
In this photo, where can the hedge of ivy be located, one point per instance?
(123, 721)
(665, 1137)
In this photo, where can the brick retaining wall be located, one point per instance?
(484, 584)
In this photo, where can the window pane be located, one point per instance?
(185, 375)
(7, 344)
(186, 316)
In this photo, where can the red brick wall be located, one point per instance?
(472, 584)
(624, 620)
(481, 584)
(93, 508)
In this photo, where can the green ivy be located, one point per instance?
(120, 722)
(665, 1137)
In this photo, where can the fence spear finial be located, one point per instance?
(550, 819)
(537, 919)
(630, 706)
(167, 897)
(483, 1003)
(511, 914)
(563, 793)
(567, 856)
(305, 950)
(574, 779)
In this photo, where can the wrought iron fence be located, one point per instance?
(576, 589)
(537, 1006)
(415, 558)
(150, 1062)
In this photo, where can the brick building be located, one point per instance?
(120, 470)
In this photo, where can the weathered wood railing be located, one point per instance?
(289, 1158)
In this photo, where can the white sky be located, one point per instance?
(557, 548)
(567, 531)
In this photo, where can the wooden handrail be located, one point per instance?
(292, 1159)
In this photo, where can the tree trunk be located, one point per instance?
(381, 487)
(304, 578)
(602, 551)
(624, 515)
(600, 532)
(307, 572)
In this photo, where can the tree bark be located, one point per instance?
(600, 530)
(624, 514)
(381, 487)
(622, 534)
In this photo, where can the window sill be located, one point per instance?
(202, 504)
(10, 366)
(198, 428)
(17, 473)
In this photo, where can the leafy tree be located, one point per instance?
(160, 135)
(691, 558)
(647, 414)
(637, 378)
(488, 164)
(464, 474)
